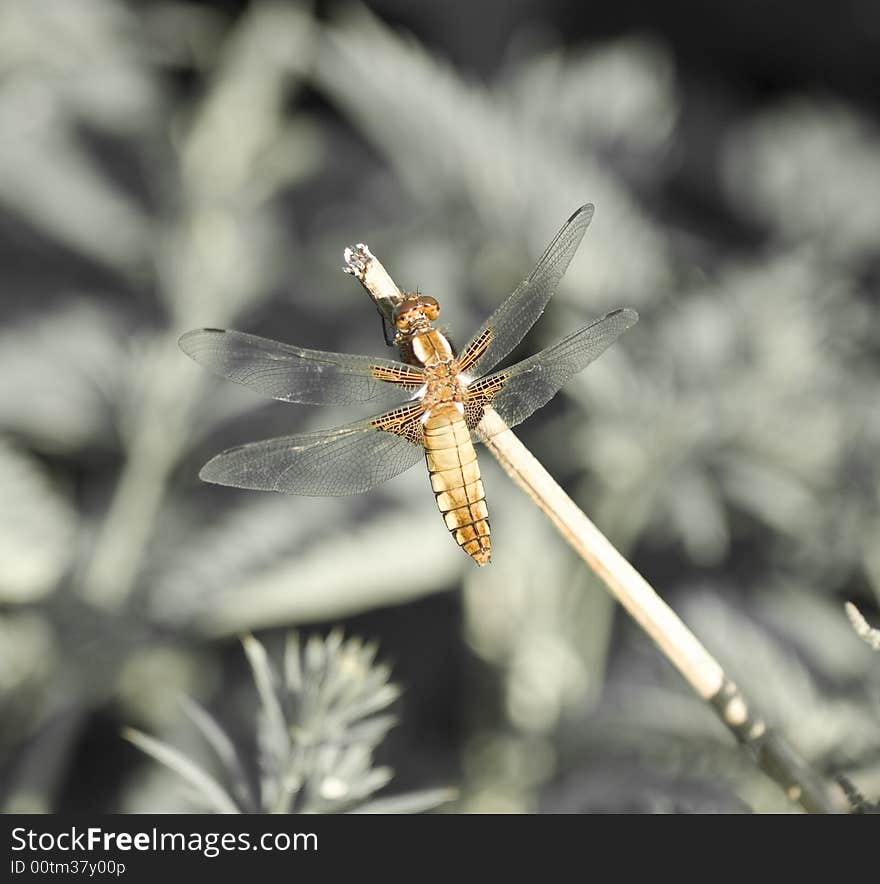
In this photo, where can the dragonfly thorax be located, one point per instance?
(431, 348)
(443, 385)
(442, 391)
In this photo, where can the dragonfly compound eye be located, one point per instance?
(415, 309)
(430, 307)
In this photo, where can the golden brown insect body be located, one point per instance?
(449, 452)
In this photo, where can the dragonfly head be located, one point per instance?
(415, 313)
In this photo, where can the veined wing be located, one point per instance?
(294, 374)
(518, 391)
(329, 463)
(508, 325)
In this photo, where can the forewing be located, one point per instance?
(294, 374)
(508, 325)
(330, 463)
(518, 391)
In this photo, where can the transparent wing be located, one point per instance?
(294, 374)
(508, 325)
(518, 391)
(330, 463)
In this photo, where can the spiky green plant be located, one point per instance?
(322, 714)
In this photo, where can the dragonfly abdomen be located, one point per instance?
(455, 478)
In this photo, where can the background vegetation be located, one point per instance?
(169, 165)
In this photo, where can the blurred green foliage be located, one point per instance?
(729, 442)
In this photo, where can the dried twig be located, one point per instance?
(680, 646)
(863, 629)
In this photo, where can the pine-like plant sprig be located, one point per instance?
(322, 714)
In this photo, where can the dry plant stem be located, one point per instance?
(863, 629)
(680, 646)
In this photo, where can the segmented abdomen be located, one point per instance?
(455, 478)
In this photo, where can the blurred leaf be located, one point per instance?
(409, 802)
(769, 493)
(37, 529)
(180, 33)
(814, 623)
(540, 618)
(60, 375)
(32, 783)
(698, 516)
(809, 168)
(519, 180)
(219, 255)
(46, 172)
(151, 679)
(272, 737)
(243, 110)
(620, 94)
(736, 400)
(226, 249)
(318, 585)
(210, 791)
(223, 748)
(44, 43)
(47, 178)
(193, 567)
(28, 657)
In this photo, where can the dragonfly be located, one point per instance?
(433, 398)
